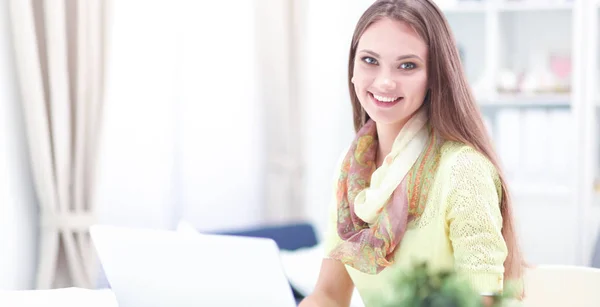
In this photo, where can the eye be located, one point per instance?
(408, 66)
(369, 60)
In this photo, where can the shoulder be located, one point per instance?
(463, 166)
(458, 159)
(470, 181)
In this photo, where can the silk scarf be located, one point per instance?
(375, 205)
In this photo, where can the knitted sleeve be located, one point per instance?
(474, 221)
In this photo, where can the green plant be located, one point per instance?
(421, 287)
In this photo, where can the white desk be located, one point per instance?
(67, 297)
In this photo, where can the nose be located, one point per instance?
(386, 83)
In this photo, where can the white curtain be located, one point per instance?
(59, 49)
(280, 29)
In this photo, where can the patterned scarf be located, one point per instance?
(375, 205)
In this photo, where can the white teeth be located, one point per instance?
(385, 99)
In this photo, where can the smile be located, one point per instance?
(384, 101)
(384, 98)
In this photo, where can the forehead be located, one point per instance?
(392, 38)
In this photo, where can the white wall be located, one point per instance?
(182, 135)
(326, 112)
(471, 38)
(220, 131)
(137, 157)
(18, 212)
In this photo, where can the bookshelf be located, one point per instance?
(534, 69)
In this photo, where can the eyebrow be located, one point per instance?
(402, 57)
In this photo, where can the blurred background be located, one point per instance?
(231, 115)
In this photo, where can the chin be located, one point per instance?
(387, 118)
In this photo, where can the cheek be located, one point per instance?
(417, 85)
(362, 78)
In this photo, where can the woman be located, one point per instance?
(420, 182)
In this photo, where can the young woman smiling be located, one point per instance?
(421, 181)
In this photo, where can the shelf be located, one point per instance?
(534, 6)
(541, 191)
(504, 36)
(464, 7)
(527, 101)
(474, 6)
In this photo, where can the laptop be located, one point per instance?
(163, 268)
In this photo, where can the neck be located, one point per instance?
(386, 134)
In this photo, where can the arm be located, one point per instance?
(334, 287)
(475, 222)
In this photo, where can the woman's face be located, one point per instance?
(390, 72)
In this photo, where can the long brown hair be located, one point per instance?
(452, 110)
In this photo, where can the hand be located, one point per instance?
(309, 301)
(488, 301)
(316, 300)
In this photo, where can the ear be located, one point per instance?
(352, 80)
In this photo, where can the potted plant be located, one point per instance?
(423, 288)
